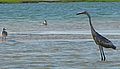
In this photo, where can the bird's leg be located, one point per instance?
(5, 38)
(101, 53)
(2, 38)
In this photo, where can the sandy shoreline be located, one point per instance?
(56, 37)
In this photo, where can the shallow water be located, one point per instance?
(56, 54)
(66, 42)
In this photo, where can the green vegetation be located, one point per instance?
(10, 1)
(27, 1)
(35, 1)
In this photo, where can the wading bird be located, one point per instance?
(4, 34)
(99, 39)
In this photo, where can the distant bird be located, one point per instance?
(99, 39)
(45, 22)
(4, 34)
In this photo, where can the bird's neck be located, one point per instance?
(92, 29)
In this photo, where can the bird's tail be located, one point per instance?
(113, 47)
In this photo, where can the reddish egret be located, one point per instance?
(99, 39)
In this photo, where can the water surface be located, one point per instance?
(66, 42)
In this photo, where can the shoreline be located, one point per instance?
(52, 1)
(55, 37)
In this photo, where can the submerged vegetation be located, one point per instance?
(36, 1)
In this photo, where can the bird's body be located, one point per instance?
(99, 39)
(45, 22)
(4, 34)
(102, 41)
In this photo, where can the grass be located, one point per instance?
(10, 1)
(32, 1)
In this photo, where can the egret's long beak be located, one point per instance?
(84, 12)
(79, 13)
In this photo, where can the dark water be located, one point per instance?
(65, 43)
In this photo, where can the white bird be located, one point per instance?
(45, 22)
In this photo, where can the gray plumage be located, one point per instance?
(4, 34)
(99, 39)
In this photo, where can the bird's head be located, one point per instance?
(84, 12)
(4, 28)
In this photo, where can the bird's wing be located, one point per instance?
(4, 33)
(101, 40)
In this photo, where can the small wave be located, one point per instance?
(105, 32)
